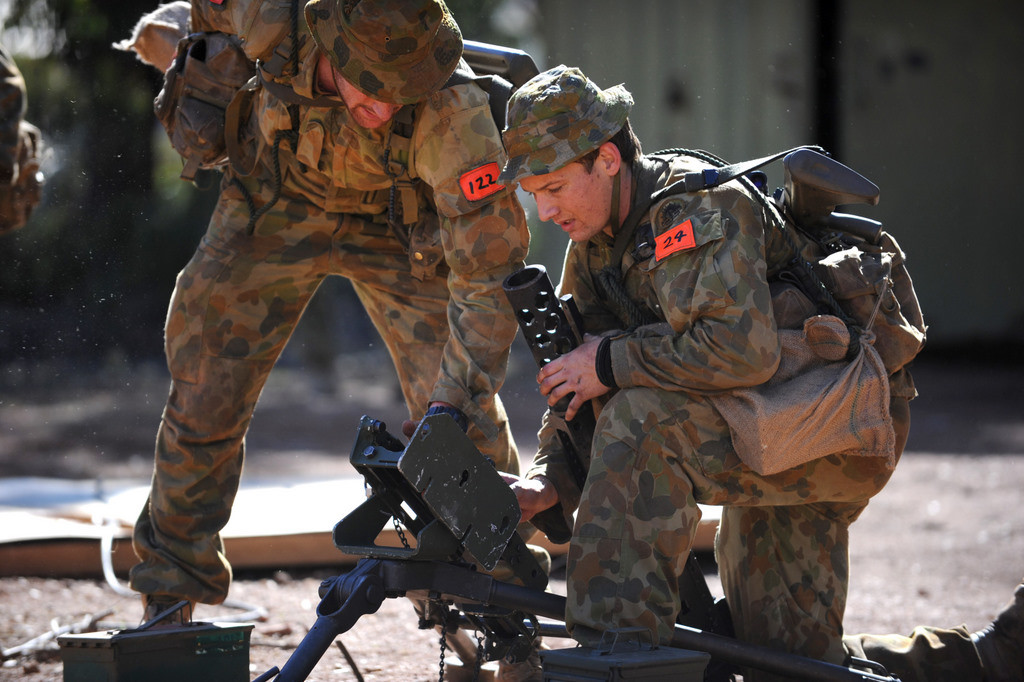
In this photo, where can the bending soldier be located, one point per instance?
(678, 311)
(372, 163)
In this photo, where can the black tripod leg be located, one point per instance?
(344, 599)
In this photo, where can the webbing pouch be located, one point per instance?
(199, 86)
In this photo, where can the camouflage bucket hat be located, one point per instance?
(395, 51)
(557, 117)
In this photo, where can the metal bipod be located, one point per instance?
(343, 601)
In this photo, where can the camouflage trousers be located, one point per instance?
(782, 543)
(234, 307)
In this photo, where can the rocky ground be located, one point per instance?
(942, 544)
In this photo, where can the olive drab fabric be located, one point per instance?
(318, 202)
(543, 135)
(396, 51)
(925, 655)
(21, 181)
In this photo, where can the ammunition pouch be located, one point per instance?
(21, 195)
(209, 72)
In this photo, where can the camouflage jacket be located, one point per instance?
(696, 268)
(453, 154)
(12, 109)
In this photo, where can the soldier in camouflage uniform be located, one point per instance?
(20, 180)
(677, 311)
(12, 109)
(371, 165)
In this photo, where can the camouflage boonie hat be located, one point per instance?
(395, 51)
(557, 117)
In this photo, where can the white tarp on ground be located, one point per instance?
(55, 526)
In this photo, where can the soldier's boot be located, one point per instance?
(1000, 644)
(167, 611)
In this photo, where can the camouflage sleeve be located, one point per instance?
(457, 151)
(550, 462)
(12, 109)
(709, 275)
(259, 24)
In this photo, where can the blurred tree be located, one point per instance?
(91, 274)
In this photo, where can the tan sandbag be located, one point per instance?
(812, 407)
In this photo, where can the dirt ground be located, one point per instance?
(943, 544)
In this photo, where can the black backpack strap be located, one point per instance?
(499, 90)
(713, 177)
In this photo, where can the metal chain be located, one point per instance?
(443, 646)
(479, 656)
(401, 533)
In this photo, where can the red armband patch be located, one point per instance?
(481, 182)
(679, 238)
(217, 2)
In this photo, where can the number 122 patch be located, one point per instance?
(678, 238)
(481, 182)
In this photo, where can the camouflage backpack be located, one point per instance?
(821, 262)
(835, 263)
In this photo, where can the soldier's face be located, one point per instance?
(365, 111)
(576, 200)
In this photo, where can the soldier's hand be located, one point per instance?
(534, 495)
(576, 373)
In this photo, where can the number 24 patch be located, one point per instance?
(679, 238)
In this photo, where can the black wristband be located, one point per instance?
(455, 413)
(603, 363)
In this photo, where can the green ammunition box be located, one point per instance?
(195, 652)
(616, 661)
